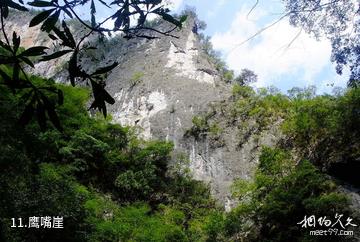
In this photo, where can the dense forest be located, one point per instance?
(109, 184)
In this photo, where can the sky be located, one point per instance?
(273, 55)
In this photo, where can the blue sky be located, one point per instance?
(305, 62)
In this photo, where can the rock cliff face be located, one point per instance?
(159, 86)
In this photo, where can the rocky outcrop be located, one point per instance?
(159, 86)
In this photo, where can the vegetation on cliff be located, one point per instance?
(320, 133)
(109, 185)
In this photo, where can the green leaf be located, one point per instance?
(103, 107)
(92, 12)
(17, 6)
(167, 17)
(27, 61)
(73, 69)
(5, 11)
(40, 17)
(183, 18)
(41, 117)
(155, 2)
(5, 46)
(6, 60)
(34, 51)
(53, 37)
(100, 105)
(108, 98)
(5, 76)
(171, 19)
(55, 55)
(25, 97)
(93, 104)
(68, 34)
(67, 12)
(27, 114)
(104, 3)
(105, 69)
(119, 17)
(38, 3)
(101, 96)
(54, 117)
(16, 41)
(62, 36)
(60, 97)
(16, 71)
(50, 22)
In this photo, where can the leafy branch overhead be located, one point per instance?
(129, 17)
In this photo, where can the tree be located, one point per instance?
(302, 93)
(199, 25)
(246, 77)
(338, 21)
(280, 195)
(129, 18)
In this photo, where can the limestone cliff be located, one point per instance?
(159, 86)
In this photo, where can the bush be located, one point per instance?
(107, 184)
(281, 194)
(324, 128)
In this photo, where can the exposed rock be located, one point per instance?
(159, 86)
(177, 82)
(208, 71)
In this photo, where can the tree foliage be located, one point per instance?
(279, 197)
(108, 185)
(337, 20)
(246, 77)
(325, 130)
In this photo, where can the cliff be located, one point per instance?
(160, 86)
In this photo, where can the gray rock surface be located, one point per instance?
(175, 81)
(159, 86)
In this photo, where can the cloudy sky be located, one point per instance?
(273, 55)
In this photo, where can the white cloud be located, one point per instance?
(269, 54)
(109, 24)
